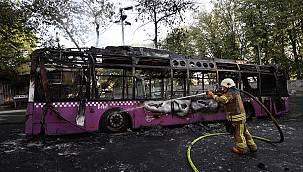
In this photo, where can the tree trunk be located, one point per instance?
(156, 29)
(292, 37)
(70, 36)
(98, 34)
(258, 54)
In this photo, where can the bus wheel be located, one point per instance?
(249, 111)
(115, 120)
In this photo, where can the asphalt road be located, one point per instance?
(154, 149)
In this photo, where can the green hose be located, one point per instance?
(208, 135)
(219, 134)
(196, 140)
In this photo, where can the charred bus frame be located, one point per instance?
(72, 75)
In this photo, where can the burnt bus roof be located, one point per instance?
(126, 56)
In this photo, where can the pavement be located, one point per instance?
(157, 148)
(153, 149)
(12, 111)
(12, 116)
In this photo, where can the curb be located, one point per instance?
(12, 111)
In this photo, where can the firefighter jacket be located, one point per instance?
(233, 104)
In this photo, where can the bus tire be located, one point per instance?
(115, 120)
(249, 111)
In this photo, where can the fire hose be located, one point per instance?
(194, 168)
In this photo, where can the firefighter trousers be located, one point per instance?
(242, 136)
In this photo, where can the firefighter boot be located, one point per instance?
(237, 150)
(252, 148)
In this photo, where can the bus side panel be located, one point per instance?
(95, 111)
(217, 116)
(259, 111)
(61, 128)
(63, 122)
(284, 106)
(257, 108)
(93, 114)
(67, 113)
(196, 117)
(55, 124)
(35, 119)
(30, 127)
(143, 118)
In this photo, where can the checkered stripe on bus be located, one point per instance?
(89, 104)
(58, 104)
(116, 103)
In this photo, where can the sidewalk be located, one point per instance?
(12, 111)
(14, 116)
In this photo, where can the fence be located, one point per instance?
(295, 87)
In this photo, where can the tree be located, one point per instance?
(217, 33)
(295, 33)
(168, 12)
(17, 38)
(61, 14)
(209, 26)
(100, 13)
(258, 31)
(71, 16)
(179, 41)
(273, 29)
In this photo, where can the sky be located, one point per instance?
(136, 34)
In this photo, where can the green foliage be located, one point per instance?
(179, 41)
(166, 12)
(215, 34)
(17, 38)
(273, 30)
(254, 30)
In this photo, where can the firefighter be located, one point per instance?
(234, 108)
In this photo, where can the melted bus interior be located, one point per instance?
(128, 73)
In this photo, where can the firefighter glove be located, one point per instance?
(210, 93)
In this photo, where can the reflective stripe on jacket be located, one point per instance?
(235, 118)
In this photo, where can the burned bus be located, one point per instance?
(116, 88)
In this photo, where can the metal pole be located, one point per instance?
(122, 26)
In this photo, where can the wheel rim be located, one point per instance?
(116, 120)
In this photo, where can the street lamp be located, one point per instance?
(122, 18)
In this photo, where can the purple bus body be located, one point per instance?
(65, 121)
